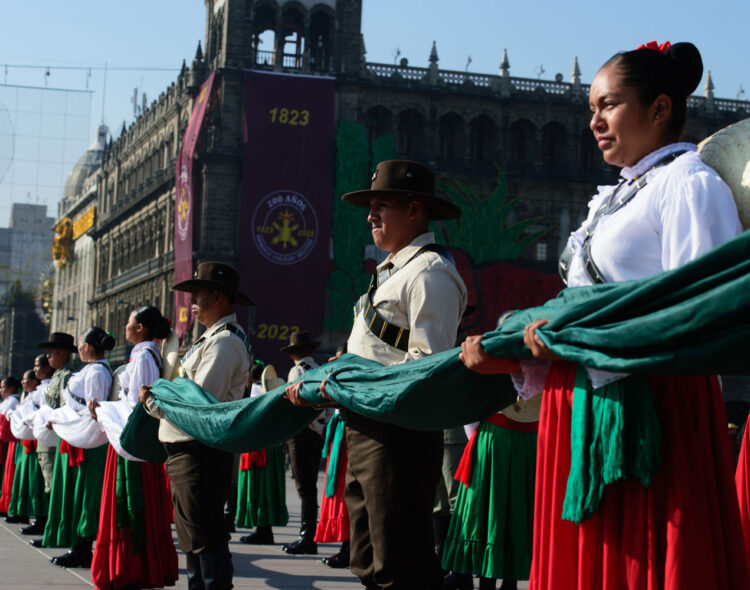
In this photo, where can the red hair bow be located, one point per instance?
(655, 46)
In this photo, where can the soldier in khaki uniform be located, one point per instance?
(200, 475)
(412, 309)
(60, 349)
(305, 449)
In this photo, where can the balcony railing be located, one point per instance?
(264, 58)
(136, 273)
(153, 181)
(524, 85)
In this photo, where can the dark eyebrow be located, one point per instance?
(609, 96)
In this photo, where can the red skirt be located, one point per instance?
(681, 533)
(742, 479)
(333, 525)
(10, 472)
(115, 564)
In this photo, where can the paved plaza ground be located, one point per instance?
(256, 567)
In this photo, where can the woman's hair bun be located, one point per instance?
(156, 324)
(99, 339)
(676, 72)
(108, 341)
(687, 60)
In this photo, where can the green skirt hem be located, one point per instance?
(261, 493)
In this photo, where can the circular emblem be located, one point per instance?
(285, 227)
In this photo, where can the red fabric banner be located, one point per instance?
(183, 210)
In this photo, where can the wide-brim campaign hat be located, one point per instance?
(300, 340)
(411, 180)
(59, 340)
(270, 380)
(728, 152)
(215, 276)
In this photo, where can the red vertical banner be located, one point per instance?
(287, 193)
(183, 209)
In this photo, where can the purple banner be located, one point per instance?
(287, 192)
(183, 210)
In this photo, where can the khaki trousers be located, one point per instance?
(46, 456)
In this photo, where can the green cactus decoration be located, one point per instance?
(483, 230)
(350, 230)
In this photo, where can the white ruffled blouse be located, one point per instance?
(93, 382)
(141, 370)
(684, 211)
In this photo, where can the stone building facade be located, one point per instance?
(134, 224)
(75, 256)
(461, 124)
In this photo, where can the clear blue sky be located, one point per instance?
(161, 33)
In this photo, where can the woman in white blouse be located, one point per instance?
(682, 530)
(136, 552)
(73, 516)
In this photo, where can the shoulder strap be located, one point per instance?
(438, 249)
(155, 356)
(239, 333)
(106, 366)
(609, 206)
(81, 400)
(391, 334)
(228, 327)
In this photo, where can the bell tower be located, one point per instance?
(291, 36)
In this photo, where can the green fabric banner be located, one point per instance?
(690, 320)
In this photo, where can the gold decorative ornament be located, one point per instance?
(62, 242)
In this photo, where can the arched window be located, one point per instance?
(482, 139)
(319, 41)
(293, 38)
(410, 133)
(264, 35)
(451, 136)
(553, 146)
(378, 121)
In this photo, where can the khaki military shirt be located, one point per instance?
(427, 296)
(219, 363)
(53, 395)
